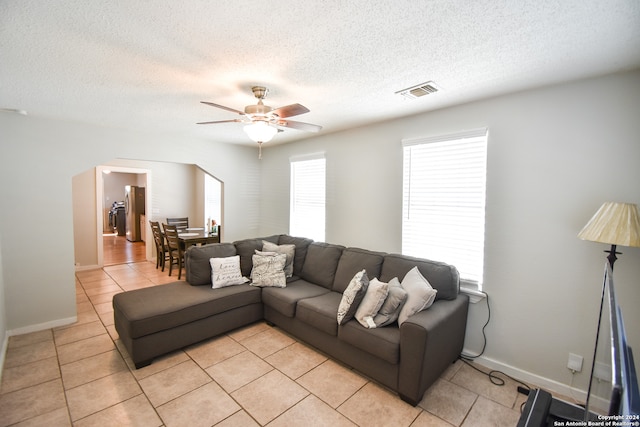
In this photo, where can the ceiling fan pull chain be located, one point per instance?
(259, 150)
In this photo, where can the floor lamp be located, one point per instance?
(614, 224)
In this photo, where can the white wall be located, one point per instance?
(39, 159)
(555, 155)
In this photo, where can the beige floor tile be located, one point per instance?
(31, 402)
(57, 418)
(243, 333)
(87, 316)
(311, 412)
(425, 419)
(267, 342)
(448, 401)
(92, 368)
(16, 356)
(374, 406)
(487, 413)
(135, 412)
(102, 298)
(479, 383)
(84, 348)
(69, 334)
(173, 382)
(30, 338)
(202, 407)
(30, 374)
(332, 382)
(91, 275)
(238, 370)
(269, 396)
(97, 395)
(105, 307)
(160, 364)
(239, 419)
(91, 284)
(81, 307)
(105, 289)
(214, 351)
(296, 360)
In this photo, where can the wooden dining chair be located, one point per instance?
(162, 253)
(180, 223)
(176, 254)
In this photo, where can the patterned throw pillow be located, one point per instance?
(352, 296)
(288, 250)
(226, 272)
(268, 270)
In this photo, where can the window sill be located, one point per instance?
(475, 295)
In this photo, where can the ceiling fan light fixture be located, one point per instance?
(260, 131)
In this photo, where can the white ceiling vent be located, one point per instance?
(420, 90)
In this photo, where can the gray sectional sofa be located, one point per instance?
(407, 359)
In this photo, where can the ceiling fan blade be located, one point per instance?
(290, 110)
(233, 110)
(220, 121)
(308, 127)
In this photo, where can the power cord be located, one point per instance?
(493, 375)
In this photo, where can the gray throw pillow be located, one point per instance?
(391, 307)
(352, 296)
(420, 294)
(375, 296)
(288, 250)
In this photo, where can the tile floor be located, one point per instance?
(80, 375)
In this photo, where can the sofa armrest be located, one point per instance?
(429, 342)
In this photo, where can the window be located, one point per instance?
(307, 217)
(444, 201)
(212, 199)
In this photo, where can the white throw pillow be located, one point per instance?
(420, 294)
(390, 310)
(226, 272)
(375, 296)
(268, 270)
(352, 296)
(288, 250)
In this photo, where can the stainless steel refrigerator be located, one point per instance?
(134, 207)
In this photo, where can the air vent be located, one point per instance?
(419, 90)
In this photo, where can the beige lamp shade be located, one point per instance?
(615, 224)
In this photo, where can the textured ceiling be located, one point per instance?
(147, 64)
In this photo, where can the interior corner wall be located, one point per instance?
(40, 157)
(555, 154)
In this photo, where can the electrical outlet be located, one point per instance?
(602, 372)
(575, 362)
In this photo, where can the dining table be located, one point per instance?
(197, 236)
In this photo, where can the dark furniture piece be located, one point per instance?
(162, 253)
(407, 359)
(191, 237)
(180, 223)
(176, 253)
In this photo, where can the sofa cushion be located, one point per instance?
(196, 261)
(352, 297)
(288, 250)
(443, 277)
(284, 300)
(268, 270)
(246, 248)
(381, 342)
(301, 244)
(321, 263)
(353, 260)
(320, 312)
(163, 307)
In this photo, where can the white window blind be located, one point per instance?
(308, 184)
(444, 200)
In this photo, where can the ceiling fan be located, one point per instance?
(263, 122)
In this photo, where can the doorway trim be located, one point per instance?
(100, 213)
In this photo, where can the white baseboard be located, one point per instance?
(538, 381)
(42, 326)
